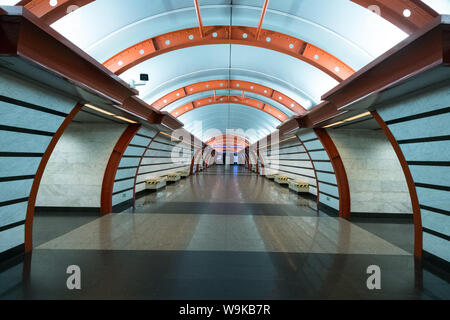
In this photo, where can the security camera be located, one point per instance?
(142, 77)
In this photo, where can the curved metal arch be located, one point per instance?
(244, 86)
(228, 137)
(29, 218)
(214, 73)
(391, 11)
(212, 125)
(238, 35)
(214, 100)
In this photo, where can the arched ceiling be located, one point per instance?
(297, 49)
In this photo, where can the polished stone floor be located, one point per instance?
(225, 233)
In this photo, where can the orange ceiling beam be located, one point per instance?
(253, 103)
(261, 20)
(215, 85)
(227, 139)
(199, 18)
(391, 10)
(237, 35)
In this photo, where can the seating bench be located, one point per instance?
(299, 186)
(155, 183)
(183, 174)
(271, 176)
(173, 177)
(282, 180)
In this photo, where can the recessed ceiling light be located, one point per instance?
(268, 39)
(167, 42)
(120, 63)
(291, 46)
(141, 52)
(90, 106)
(214, 35)
(53, 3)
(337, 69)
(407, 13)
(191, 37)
(316, 56)
(245, 36)
(125, 119)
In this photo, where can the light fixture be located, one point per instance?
(125, 119)
(359, 116)
(90, 106)
(334, 124)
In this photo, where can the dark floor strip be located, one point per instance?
(258, 209)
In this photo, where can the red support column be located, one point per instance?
(418, 236)
(339, 170)
(38, 177)
(113, 164)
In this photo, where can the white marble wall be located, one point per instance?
(377, 183)
(74, 173)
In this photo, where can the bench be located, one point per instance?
(173, 177)
(155, 183)
(299, 187)
(183, 174)
(271, 176)
(282, 180)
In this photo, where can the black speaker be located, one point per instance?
(144, 77)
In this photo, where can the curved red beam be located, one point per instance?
(256, 104)
(40, 173)
(418, 230)
(339, 171)
(244, 86)
(237, 35)
(121, 146)
(228, 138)
(391, 10)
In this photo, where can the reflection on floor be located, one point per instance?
(222, 234)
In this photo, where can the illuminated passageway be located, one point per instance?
(211, 149)
(237, 243)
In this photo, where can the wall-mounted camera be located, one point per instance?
(142, 77)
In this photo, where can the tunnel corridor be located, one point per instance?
(246, 238)
(224, 149)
